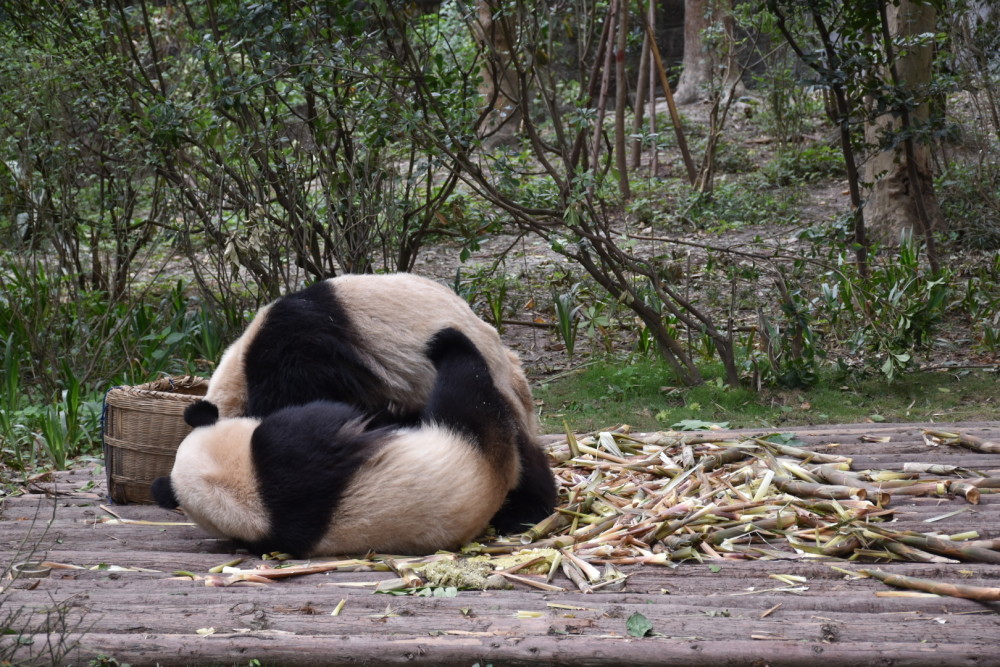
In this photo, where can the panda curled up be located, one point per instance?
(316, 479)
(362, 341)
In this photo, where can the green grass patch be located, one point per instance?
(643, 394)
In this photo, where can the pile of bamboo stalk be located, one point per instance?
(668, 497)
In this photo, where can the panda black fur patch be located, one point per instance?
(484, 414)
(163, 493)
(465, 397)
(305, 351)
(201, 413)
(534, 497)
(304, 457)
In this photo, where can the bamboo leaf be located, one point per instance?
(638, 625)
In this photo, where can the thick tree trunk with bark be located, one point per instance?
(894, 200)
(701, 59)
(495, 29)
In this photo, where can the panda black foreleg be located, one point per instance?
(465, 398)
(534, 497)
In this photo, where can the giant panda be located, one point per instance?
(314, 480)
(361, 339)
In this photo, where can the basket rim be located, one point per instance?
(164, 387)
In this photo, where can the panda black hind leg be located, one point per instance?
(466, 398)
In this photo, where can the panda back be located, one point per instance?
(308, 348)
(396, 315)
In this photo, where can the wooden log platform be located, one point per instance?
(126, 605)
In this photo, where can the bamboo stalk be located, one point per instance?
(834, 475)
(809, 490)
(951, 549)
(546, 526)
(978, 593)
(534, 583)
(799, 453)
(712, 461)
(930, 468)
(939, 488)
(968, 491)
(969, 441)
(840, 546)
(940, 469)
(983, 482)
(573, 574)
(914, 554)
(781, 522)
(670, 527)
(959, 550)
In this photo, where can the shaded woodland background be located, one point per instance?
(170, 166)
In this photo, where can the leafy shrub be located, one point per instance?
(969, 195)
(796, 165)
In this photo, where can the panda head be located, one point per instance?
(199, 413)
(213, 477)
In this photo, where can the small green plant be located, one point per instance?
(598, 322)
(488, 284)
(495, 293)
(567, 310)
(107, 661)
(68, 426)
(979, 304)
(788, 357)
(10, 403)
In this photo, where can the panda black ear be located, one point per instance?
(163, 493)
(201, 413)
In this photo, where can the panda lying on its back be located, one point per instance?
(361, 340)
(310, 480)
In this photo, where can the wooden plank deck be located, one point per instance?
(701, 614)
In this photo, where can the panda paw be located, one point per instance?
(201, 413)
(448, 342)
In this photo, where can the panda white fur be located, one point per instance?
(361, 340)
(314, 480)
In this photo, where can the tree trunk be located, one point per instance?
(621, 100)
(894, 201)
(701, 57)
(495, 29)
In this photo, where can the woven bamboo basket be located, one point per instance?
(143, 425)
